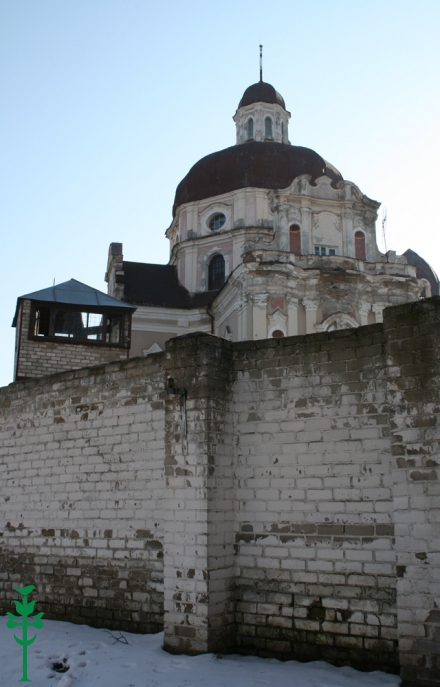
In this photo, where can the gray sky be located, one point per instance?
(106, 104)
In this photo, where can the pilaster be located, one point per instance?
(347, 232)
(306, 229)
(412, 334)
(259, 316)
(311, 307)
(364, 309)
(292, 316)
(198, 504)
(378, 309)
(242, 313)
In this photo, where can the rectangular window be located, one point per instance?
(94, 326)
(114, 329)
(78, 325)
(42, 322)
(325, 250)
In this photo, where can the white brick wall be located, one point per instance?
(314, 502)
(81, 468)
(307, 499)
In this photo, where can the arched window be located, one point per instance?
(277, 334)
(359, 245)
(282, 132)
(268, 128)
(216, 276)
(295, 239)
(250, 129)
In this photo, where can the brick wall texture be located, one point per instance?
(278, 497)
(81, 473)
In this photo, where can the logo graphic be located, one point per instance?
(24, 609)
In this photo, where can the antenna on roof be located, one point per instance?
(261, 63)
(384, 230)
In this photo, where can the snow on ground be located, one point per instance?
(95, 660)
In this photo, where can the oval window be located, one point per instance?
(216, 221)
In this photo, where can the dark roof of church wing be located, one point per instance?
(159, 286)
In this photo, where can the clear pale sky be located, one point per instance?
(106, 104)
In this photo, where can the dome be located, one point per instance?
(261, 92)
(423, 270)
(254, 164)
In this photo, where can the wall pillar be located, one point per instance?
(306, 230)
(311, 310)
(198, 504)
(242, 315)
(347, 232)
(412, 334)
(364, 309)
(378, 309)
(292, 316)
(259, 316)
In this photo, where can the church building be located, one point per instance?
(268, 481)
(267, 240)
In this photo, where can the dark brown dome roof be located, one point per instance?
(254, 164)
(423, 270)
(261, 92)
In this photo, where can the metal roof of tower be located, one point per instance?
(73, 292)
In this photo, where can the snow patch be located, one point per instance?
(93, 659)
